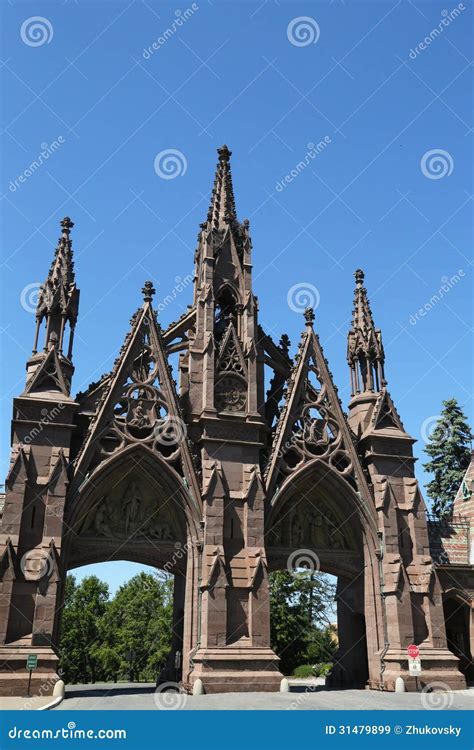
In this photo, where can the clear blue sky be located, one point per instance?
(229, 73)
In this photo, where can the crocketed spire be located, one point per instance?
(365, 353)
(222, 209)
(58, 300)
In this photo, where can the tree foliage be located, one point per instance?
(126, 637)
(301, 606)
(449, 449)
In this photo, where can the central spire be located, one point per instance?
(222, 209)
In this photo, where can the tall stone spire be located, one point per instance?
(222, 209)
(365, 353)
(58, 300)
(50, 369)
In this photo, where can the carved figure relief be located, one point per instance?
(307, 525)
(131, 513)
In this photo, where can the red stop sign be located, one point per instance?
(413, 651)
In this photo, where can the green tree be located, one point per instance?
(85, 605)
(300, 605)
(137, 628)
(449, 449)
(128, 637)
(321, 647)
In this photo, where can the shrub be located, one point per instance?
(322, 670)
(304, 670)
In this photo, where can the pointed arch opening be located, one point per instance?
(458, 616)
(317, 522)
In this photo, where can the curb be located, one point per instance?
(53, 703)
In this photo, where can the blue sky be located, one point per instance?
(257, 77)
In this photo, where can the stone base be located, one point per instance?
(14, 675)
(236, 670)
(438, 667)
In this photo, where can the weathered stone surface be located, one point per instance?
(220, 485)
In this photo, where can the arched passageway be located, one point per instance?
(458, 616)
(136, 509)
(316, 519)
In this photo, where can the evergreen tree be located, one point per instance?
(300, 605)
(449, 449)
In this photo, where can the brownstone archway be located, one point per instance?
(316, 516)
(457, 608)
(104, 521)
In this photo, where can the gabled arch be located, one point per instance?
(156, 471)
(461, 596)
(332, 483)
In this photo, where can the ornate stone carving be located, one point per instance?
(231, 394)
(131, 513)
(312, 526)
(315, 433)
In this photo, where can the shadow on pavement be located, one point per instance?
(94, 691)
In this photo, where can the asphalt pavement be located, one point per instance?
(142, 696)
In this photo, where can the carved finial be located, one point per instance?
(285, 343)
(224, 153)
(309, 316)
(67, 225)
(359, 276)
(148, 291)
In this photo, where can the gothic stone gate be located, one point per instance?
(219, 482)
